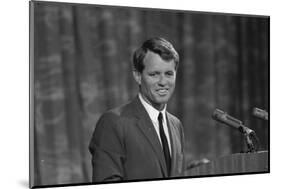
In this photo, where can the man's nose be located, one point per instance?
(162, 80)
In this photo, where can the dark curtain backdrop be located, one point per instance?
(82, 67)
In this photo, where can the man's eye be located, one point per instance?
(170, 73)
(152, 74)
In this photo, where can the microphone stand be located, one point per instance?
(251, 139)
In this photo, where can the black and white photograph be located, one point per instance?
(126, 94)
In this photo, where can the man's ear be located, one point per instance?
(137, 76)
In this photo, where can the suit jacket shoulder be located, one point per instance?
(108, 124)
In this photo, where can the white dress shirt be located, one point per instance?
(153, 114)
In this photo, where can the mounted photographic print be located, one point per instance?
(125, 94)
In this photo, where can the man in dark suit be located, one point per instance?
(141, 140)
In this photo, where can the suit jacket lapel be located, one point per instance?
(171, 133)
(146, 126)
(175, 145)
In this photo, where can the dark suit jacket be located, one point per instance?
(125, 146)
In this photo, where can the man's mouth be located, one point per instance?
(162, 92)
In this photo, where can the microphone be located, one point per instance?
(259, 113)
(223, 117)
(249, 135)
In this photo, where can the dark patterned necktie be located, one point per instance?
(165, 144)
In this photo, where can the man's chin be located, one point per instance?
(162, 100)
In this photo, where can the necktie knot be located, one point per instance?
(160, 117)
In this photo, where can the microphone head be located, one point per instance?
(259, 113)
(219, 115)
(223, 117)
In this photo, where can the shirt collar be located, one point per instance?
(152, 112)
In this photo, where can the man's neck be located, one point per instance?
(159, 107)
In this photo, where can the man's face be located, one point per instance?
(157, 80)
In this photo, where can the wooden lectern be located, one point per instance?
(233, 164)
